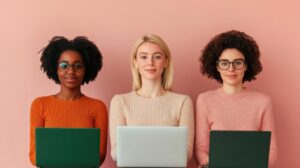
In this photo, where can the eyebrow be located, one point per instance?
(73, 62)
(233, 60)
(153, 53)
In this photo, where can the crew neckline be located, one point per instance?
(157, 97)
(68, 101)
(239, 95)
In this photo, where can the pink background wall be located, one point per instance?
(186, 26)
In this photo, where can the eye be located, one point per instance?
(238, 62)
(223, 63)
(143, 57)
(157, 57)
(78, 65)
(63, 65)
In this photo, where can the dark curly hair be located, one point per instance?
(231, 39)
(88, 51)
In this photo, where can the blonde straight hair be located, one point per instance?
(167, 75)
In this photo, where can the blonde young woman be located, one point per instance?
(151, 103)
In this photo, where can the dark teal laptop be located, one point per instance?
(67, 147)
(239, 149)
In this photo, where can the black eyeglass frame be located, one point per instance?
(231, 62)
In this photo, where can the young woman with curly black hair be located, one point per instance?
(231, 58)
(69, 63)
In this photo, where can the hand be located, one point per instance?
(204, 161)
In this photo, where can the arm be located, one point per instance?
(187, 119)
(116, 118)
(202, 133)
(101, 122)
(36, 120)
(268, 124)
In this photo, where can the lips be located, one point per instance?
(71, 79)
(150, 70)
(231, 76)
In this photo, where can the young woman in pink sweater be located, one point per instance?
(231, 58)
(151, 103)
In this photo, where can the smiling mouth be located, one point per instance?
(71, 79)
(231, 76)
(150, 70)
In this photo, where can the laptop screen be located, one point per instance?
(70, 147)
(140, 146)
(239, 149)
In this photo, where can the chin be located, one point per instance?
(152, 77)
(236, 83)
(72, 86)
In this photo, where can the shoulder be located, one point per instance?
(259, 97)
(39, 103)
(179, 96)
(125, 95)
(96, 106)
(94, 102)
(41, 100)
(207, 95)
(119, 98)
(258, 94)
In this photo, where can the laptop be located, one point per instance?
(239, 149)
(67, 147)
(149, 146)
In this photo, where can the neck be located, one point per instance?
(151, 89)
(69, 94)
(233, 89)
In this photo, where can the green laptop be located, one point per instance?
(239, 149)
(67, 147)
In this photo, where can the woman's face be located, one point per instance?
(231, 66)
(150, 61)
(70, 69)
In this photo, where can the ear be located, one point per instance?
(217, 68)
(135, 64)
(245, 67)
(166, 65)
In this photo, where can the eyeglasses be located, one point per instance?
(64, 66)
(237, 64)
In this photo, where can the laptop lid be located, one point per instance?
(239, 149)
(67, 147)
(140, 146)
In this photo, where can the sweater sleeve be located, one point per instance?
(101, 121)
(116, 118)
(36, 120)
(187, 119)
(202, 131)
(268, 124)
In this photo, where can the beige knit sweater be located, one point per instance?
(171, 109)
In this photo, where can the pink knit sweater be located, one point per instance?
(217, 110)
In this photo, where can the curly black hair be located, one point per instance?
(231, 39)
(88, 51)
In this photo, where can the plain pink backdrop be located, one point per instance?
(186, 26)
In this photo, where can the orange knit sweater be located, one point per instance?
(85, 112)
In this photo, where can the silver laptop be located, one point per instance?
(140, 146)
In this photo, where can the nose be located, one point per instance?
(231, 66)
(71, 69)
(150, 61)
